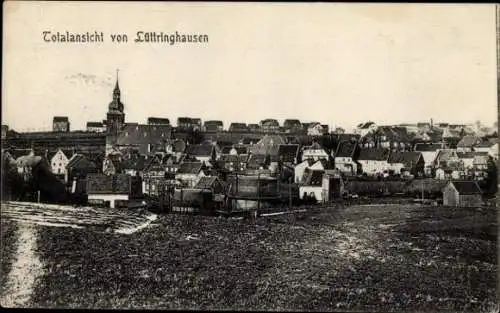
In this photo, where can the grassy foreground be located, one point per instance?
(383, 258)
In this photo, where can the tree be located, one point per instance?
(489, 184)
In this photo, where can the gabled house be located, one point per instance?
(111, 166)
(202, 153)
(153, 176)
(233, 163)
(253, 128)
(142, 138)
(462, 194)
(189, 173)
(406, 163)
(59, 161)
(392, 137)
(288, 153)
(133, 165)
(79, 166)
(269, 125)
(238, 127)
(314, 152)
(267, 145)
(345, 157)
(158, 121)
(213, 126)
(258, 161)
(211, 183)
(188, 124)
(312, 185)
(292, 126)
(108, 189)
(373, 161)
(300, 169)
(447, 157)
(429, 153)
(467, 143)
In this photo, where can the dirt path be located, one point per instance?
(26, 267)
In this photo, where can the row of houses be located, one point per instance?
(195, 124)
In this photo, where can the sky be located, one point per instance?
(339, 64)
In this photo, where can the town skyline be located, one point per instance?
(352, 65)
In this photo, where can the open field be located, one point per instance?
(375, 257)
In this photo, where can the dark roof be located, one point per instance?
(256, 160)
(469, 141)
(190, 168)
(142, 134)
(425, 147)
(466, 155)
(408, 158)
(79, 161)
(238, 126)
(95, 124)
(153, 164)
(345, 149)
(200, 150)
(467, 187)
(243, 158)
(312, 177)
(253, 126)
(288, 153)
(289, 123)
(184, 120)
(214, 122)
(375, 154)
(114, 184)
(137, 162)
(269, 122)
(158, 120)
(207, 182)
(61, 119)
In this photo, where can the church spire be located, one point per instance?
(116, 91)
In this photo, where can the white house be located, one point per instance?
(429, 153)
(300, 168)
(314, 153)
(312, 186)
(58, 162)
(189, 173)
(373, 161)
(467, 158)
(344, 158)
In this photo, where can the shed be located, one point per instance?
(463, 194)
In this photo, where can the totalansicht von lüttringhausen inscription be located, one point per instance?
(138, 37)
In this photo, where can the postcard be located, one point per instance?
(250, 156)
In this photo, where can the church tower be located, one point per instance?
(115, 117)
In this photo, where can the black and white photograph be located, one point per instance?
(322, 157)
